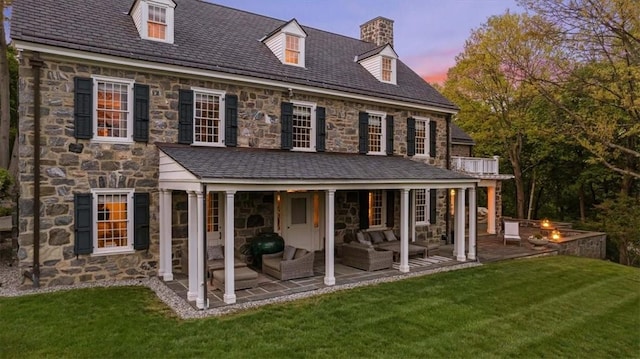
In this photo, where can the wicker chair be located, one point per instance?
(363, 257)
(275, 266)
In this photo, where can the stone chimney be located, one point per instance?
(378, 31)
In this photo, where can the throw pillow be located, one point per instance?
(300, 253)
(362, 239)
(390, 236)
(215, 252)
(376, 237)
(289, 252)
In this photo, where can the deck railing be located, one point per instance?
(475, 165)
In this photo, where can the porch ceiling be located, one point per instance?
(249, 165)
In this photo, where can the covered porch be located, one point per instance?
(228, 172)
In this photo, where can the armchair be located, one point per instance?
(299, 267)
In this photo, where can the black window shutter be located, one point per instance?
(185, 117)
(286, 140)
(140, 113)
(389, 135)
(231, 120)
(391, 211)
(83, 107)
(432, 206)
(83, 225)
(140, 221)
(363, 122)
(321, 129)
(363, 199)
(411, 136)
(432, 138)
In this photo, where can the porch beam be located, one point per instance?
(329, 278)
(404, 230)
(192, 244)
(229, 296)
(201, 300)
(165, 235)
(460, 221)
(473, 210)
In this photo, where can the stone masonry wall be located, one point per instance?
(135, 165)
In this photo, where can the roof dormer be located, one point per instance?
(287, 43)
(154, 19)
(381, 63)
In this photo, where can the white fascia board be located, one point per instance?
(84, 55)
(294, 28)
(388, 52)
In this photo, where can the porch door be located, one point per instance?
(215, 218)
(298, 223)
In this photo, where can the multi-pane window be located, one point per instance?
(157, 23)
(292, 49)
(376, 208)
(113, 109)
(422, 210)
(302, 126)
(113, 224)
(376, 133)
(213, 212)
(421, 137)
(207, 120)
(386, 69)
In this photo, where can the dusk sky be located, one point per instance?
(428, 34)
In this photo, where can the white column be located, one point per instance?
(460, 219)
(491, 209)
(162, 260)
(201, 301)
(473, 210)
(192, 292)
(329, 277)
(412, 216)
(165, 231)
(229, 296)
(404, 230)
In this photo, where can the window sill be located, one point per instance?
(109, 252)
(376, 153)
(114, 140)
(423, 224)
(302, 149)
(208, 144)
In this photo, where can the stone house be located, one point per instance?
(153, 123)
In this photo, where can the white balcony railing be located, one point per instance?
(475, 165)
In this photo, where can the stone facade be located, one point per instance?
(378, 31)
(582, 244)
(461, 150)
(65, 170)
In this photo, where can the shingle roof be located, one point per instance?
(459, 136)
(217, 38)
(259, 164)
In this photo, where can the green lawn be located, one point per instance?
(546, 307)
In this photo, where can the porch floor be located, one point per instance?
(489, 249)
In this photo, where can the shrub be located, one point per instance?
(5, 182)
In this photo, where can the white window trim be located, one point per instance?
(312, 144)
(383, 138)
(130, 100)
(383, 213)
(221, 94)
(300, 49)
(427, 210)
(427, 148)
(169, 20)
(120, 250)
(393, 79)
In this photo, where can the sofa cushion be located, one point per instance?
(360, 245)
(390, 236)
(215, 252)
(360, 236)
(288, 253)
(273, 263)
(376, 237)
(300, 253)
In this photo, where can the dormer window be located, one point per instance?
(157, 23)
(381, 63)
(288, 43)
(154, 19)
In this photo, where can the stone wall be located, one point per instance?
(378, 31)
(582, 244)
(461, 150)
(135, 165)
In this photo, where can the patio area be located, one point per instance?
(489, 249)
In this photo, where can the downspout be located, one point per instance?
(447, 197)
(204, 238)
(36, 65)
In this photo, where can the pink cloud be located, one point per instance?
(433, 65)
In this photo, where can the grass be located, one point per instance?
(549, 307)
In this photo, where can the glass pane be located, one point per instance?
(298, 210)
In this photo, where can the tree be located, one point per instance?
(592, 76)
(498, 107)
(5, 105)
